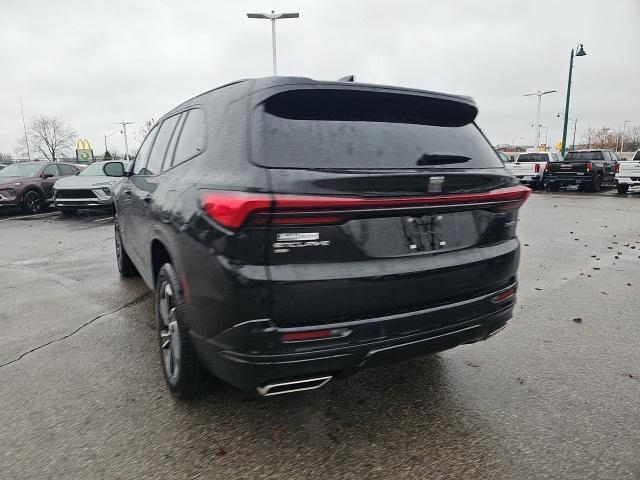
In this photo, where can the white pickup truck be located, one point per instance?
(529, 168)
(628, 173)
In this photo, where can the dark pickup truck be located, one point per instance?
(589, 169)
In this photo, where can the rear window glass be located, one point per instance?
(637, 155)
(533, 157)
(350, 129)
(583, 156)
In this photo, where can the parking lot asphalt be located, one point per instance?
(555, 395)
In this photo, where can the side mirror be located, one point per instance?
(113, 169)
(47, 175)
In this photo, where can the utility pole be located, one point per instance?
(624, 127)
(539, 94)
(24, 126)
(273, 17)
(126, 144)
(575, 125)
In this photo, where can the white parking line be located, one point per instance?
(103, 219)
(39, 215)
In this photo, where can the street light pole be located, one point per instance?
(273, 17)
(624, 127)
(579, 53)
(575, 125)
(126, 144)
(539, 94)
(24, 126)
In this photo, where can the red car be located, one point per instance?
(29, 185)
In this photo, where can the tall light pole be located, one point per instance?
(126, 144)
(575, 125)
(273, 17)
(579, 53)
(539, 94)
(106, 148)
(624, 127)
(24, 126)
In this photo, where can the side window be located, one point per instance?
(192, 137)
(51, 170)
(159, 150)
(66, 169)
(614, 157)
(142, 157)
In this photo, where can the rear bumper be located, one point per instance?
(568, 179)
(628, 180)
(529, 180)
(252, 354)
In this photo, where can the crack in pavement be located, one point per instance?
(64, 337)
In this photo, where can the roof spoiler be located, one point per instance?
(348, 78)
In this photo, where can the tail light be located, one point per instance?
(546, 167)
(235, 209)
(589, 166)
(617, 169)
(537, 168)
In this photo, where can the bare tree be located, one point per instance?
(144, 130)
(5, 157)
(48, 136)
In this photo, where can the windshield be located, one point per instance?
(343, 130)
(95, 169)
(583, 156)
(20, 170)
(532, 157)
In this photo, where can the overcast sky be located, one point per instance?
(98, 62)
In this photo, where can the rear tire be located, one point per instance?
(596, 185)
(554, 186)
(180, 364)
(622, 188)
(125, 265)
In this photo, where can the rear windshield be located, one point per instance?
(344, 129)
(583, 156)
(533, 157)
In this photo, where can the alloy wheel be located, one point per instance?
(169, 333)
(32, 202)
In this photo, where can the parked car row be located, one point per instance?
(34, 186)
(589, 170)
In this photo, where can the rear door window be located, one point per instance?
(159, 149)
(192, 137)
(67, 169)
(351, 129)
(142, 157)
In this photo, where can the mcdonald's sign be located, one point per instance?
(84, 153)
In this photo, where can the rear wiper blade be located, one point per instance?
(441, 159)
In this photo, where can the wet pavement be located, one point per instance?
(555, 395)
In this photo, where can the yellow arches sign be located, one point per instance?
(84, 153)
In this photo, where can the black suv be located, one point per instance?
(295, 231)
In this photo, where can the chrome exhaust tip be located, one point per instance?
(293, 386)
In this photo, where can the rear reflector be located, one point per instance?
(231, 209)
(308, 335)
(501, 297)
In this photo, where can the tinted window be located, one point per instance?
(66, 169)
(583, 156)
(154, 165)
(51, 170)
(192, 137)
(637, 155)
(533, 157)
(142, 157)
(355, 130)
